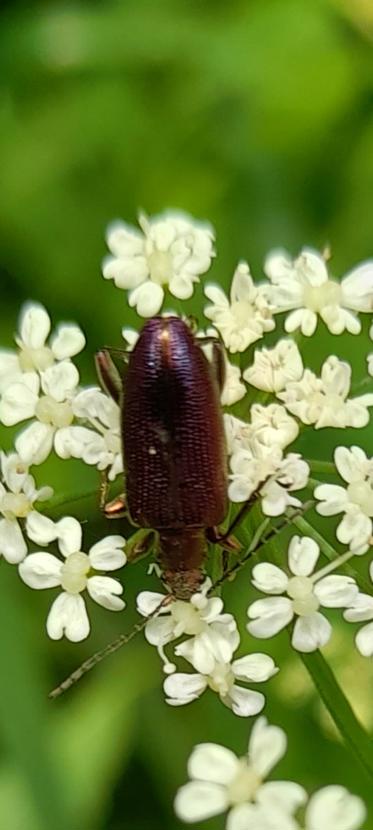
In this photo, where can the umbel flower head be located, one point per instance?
(304, 591)
(355, 500)
(75, 573)
(170, 250)
(303, 287)
(35, 354)
(222, 782)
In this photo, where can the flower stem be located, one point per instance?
(331, 566)
(67, 498)
(322, 466)
(339, 708)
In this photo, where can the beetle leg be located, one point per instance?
(140, 544)
(216, 537)
(108, 374)
(217, 360)
(117, 508)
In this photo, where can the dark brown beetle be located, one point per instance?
(173, 445)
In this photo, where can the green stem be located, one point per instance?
(322, 466)
(67, 498)
(340, 709)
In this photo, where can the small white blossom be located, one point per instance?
(274, 368)
(370, 356)
(18, 495)
(245, 317)
(269, 426)
(97, 441)
(68, 615)
(323, 401)
(333, 808)
(233, 390)
(260, 465)
(213, 634)
(170, 250)
(34, 354)
(220, 676)
(355, 500)
(305, 593)
(303, 286)
(361, 610)
(222, 782)
(48, 400)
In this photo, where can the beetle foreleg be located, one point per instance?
(108, 375)
(117, 508)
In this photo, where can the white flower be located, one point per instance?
(214, 635)
(68, 615)
(361, 610)
(171, 249)
(303, 286)
(244, 319)
(99, 441)
(334, 808)
(274, 368)
(220, 781)
(355, 500)
(270, 426)
(323, 401)
(48, 400)
(233, 390)
(220, 676)
(277, 476)
(370, 356)
(18, 495)
(34, 355)
(306, 592)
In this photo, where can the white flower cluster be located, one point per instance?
(298, 595)
(212, 640)
(171, 250)
(40, 383)
(222, 783)
(74, 573)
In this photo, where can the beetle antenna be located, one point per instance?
(259, 541)
(96, 658)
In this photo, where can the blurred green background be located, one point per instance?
(259, 117)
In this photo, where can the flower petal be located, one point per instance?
(12, 544)
(244, 702)
(364, 640)
(68, 616)
(19, 400)
(35, 443)
(311, 632)
(267, 746)
(269, 578)
(184, 688)
(147, 298)
(105, 591)
(199, 800)
(282, 795)
(41, 570)
(69, 535)
(60, 380)
(40, 529)
(34, 325)
(68, 341)
(214, 763)
(335, 808)
(269, 616)
(107, 555)
(336, 591)
(303, 554)
(254, 668)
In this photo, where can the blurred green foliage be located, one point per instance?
(258, 116)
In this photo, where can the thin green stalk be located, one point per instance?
(339, 708)
(322, 466)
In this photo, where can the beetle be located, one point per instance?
(174, 449)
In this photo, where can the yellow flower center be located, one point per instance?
(74, 572)
(245, 784)
(57, 413)
(317, 297)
